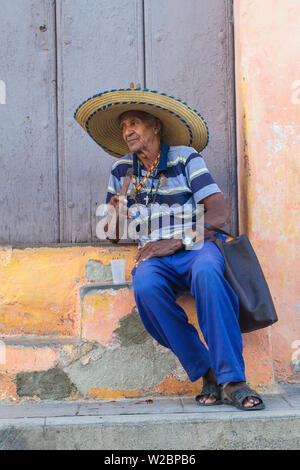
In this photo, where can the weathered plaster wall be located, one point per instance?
(71, 334)
(267, 55)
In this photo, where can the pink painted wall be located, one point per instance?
(267, 59)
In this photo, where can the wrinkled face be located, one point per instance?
(138, 132)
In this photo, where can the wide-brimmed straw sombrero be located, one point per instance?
(99, 115)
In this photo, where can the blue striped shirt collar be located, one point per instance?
(162, 165)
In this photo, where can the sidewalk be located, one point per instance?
(151, 424)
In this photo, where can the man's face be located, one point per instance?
(137, 132)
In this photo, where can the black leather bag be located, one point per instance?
(244, 274)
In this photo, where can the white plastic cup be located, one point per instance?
(118, 270)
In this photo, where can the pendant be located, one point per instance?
(147, 199)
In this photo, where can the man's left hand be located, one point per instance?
(158, 248)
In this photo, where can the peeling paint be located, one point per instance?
(68, 354)
(47, 294)
(135, 364)
(115, 358)
(8, 389)
(130, 368)
(101, 312)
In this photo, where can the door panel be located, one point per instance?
(100, 47)
(28, 130)
(189, 54)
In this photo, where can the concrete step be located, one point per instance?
(151, 424)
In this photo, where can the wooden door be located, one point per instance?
(189, 54)
(100, 47)
(57, 53)
(28, 123)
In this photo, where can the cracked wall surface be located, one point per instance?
(132, 365)
(72, 334)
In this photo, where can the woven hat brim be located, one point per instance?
(99, 115)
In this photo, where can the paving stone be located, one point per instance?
(132, 406)
(36, 410)
(154, 423)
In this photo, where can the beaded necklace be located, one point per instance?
(161, 182)
(161, 178)
(135, 187)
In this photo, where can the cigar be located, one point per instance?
(126, 182)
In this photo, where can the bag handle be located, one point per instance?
(216, 229)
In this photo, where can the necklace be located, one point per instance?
(135, 187)
(160, 180)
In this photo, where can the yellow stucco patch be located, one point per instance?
(110, 394)
(39, 295)
(172, 386)
(39, 288)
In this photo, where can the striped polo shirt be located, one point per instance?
(186, 182)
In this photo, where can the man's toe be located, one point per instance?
(209, 399)
(251, 401)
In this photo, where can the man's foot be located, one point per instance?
(244, 398)
(210, 398)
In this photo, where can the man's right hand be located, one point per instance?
(119, 204)
(117, 212)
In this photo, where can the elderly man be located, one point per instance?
(169, 171)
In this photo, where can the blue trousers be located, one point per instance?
(201, 272)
